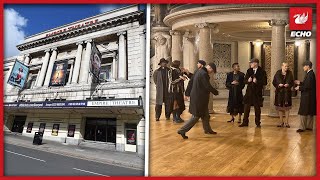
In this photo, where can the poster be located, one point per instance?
(59, 72)
(95, 62)
(55, 129)
(42, 127)
(19, 74)
(29, 127)
(131, 136)
(71, 130)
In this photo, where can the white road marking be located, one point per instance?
(89, 172)
(25, 156)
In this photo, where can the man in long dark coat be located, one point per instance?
(160, 78)
(255, 79)
(308, 100)
(235, 84)
(199, 99)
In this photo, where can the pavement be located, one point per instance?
(21, 161)
(108, 157)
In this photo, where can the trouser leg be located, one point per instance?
(257, 113)
(303, 122)
(158, 110)
(246, 114)
(168, 107)
(310, 122)
(189, 124)
(205, 123)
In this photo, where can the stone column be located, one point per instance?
(302, 57)
(313, 53)
(27, 59)
(37, 79)
(114, 66)
(189, 60)
(176, 48)
(85, 63)
(50, 66)
(43, 69)
(77, 63)
(70, 74)
(122, 54)
(278, 53)
(206, 51)
(143, 52)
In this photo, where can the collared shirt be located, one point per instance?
(309, 70)
(255, 70)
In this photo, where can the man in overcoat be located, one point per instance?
(255, 79)
(308, 100)
(161, 80)
(199, 91)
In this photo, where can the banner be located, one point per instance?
(58, 76)
(19, 74)
(95, 62)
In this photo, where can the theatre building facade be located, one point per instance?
(105, 110)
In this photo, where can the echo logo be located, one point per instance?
(300, 22)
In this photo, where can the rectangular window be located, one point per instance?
(55, 129)
(29, 127)
(71, 130)
(100, 129)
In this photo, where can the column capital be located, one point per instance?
(54, 49)
(47, 50)
(206, 25)
(188, 35)
(122, 33)
(79, 43)
(26, 55)
(175, 33)
(278, 22)
(88, 41)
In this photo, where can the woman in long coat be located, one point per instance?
(283, 82)
(235, 84)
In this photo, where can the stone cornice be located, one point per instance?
(278, 22)
(112, 22)
(79, 87)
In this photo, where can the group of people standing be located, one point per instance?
(170, 91)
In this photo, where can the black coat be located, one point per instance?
(199, 89)
(283, 95)
(235, 100)
(308, 101)
(254, 90)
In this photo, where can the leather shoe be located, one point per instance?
(210, 132)
(157, 119)
(300, 130)
(309, 129)
(183, 134)
(259, 126)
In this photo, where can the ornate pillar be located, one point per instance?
(43, 69)
(143, 52)
(313, 57)
(70, 74)
(189, 60)
(257, 49)
(85, 63)
(122, 53)
(302, 57)
(77, 63)
(27, 59)
(50, 66)
(206, 51)
(114, 66)
(278, 55)
(176, 51)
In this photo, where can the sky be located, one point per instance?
(25, 20)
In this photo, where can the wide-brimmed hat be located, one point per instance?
(254, 60)
(162, 60)
(202, 62)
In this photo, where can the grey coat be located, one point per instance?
(161, 87)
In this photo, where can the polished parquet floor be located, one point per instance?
(234, 151)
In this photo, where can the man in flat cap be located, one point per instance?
(255, 79)
(308, 100)
(161, 80)
(199, 90)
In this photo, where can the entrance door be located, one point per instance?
(100, 129)
(131, 137)
(18, 124)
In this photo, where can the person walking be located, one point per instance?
(199, 90)
(283, 82)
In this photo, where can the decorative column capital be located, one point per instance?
(206, 25)
(278, 22)
(122, 33)
(188, 35)
(26, 55)
(79, 43)
(54, 49)
(47, 50)
(88, 41)
(175, 33)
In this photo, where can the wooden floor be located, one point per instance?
(234, 151)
